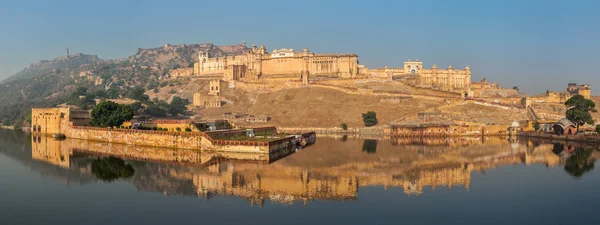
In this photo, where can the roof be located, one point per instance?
(564, 123)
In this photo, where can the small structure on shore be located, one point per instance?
(564, 127)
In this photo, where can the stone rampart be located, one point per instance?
(183, 140)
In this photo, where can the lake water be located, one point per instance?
(338, 180)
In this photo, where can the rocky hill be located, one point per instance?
(176, 56)
(54, 66)
(51, 82)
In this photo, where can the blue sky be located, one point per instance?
(535, 45)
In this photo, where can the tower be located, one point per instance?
(67, 53)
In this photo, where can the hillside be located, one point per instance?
(171, 56)
(316, 107)
(48, 83)
(53, 66)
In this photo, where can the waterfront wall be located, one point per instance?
(334, 130)
(581, 138)
(184, 140)
(141, 137)
(447, 130)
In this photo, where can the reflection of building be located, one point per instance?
(337, 175)
(284, 189)
(447, 177)
(49, 150)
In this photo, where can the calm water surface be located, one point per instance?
(338, 180)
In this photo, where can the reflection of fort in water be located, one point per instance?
(332, 169)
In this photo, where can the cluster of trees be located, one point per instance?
(160, 108)
(110, 114)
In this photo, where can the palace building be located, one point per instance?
(258, 63)
(288, 64)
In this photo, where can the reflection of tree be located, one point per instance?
(111, 168)
(344, 138)
(370, 146)
(579, 163)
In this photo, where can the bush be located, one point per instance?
(370, 118)
(536, 125)
(187, 129)
(6, 122)
(18, 124)
(155, 128)
(598, 129)
(344, 126)
(178, 129)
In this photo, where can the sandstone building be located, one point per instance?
(561, 97)
(51, 121)
(449, 79)
(285, 64)
(212, 99)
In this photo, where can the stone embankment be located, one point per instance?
(580, 138)
(204, 141)
(380, 130)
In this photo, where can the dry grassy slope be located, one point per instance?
(560, 109)
(315, 107)
(484, 114)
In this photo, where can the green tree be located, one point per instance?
(579, 109)
(344, 126)
(111, 168)
(370, 118)
(155, 111)
(187, 129)
(6, 122)
(598, 129)
(110, 114)
(18, 124)
(137, 93)
(536, 125)
(28, 118)
(178, 106)
(137, 106)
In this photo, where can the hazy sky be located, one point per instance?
(531, 44)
